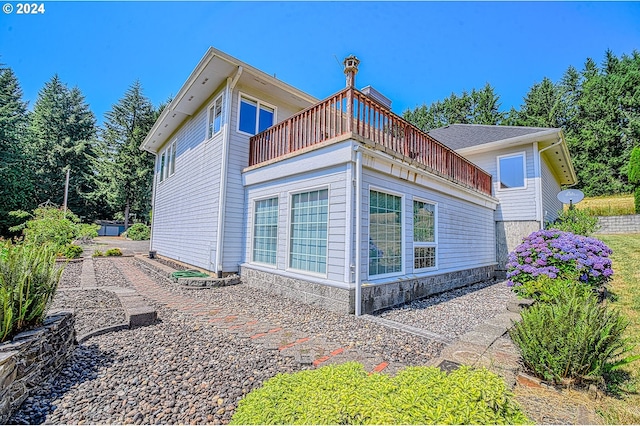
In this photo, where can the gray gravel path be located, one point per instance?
(453, 313)
(183, 370)
(70, 274)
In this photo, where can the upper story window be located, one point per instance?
(168, 161)
(254, 116)
(511, 171)
(214, 117)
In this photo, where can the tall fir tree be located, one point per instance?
(62, 137)
(125, 173)
(16, 190)
(478, 107)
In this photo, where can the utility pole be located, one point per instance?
(66, 191)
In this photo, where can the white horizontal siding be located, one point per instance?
(334, 180)
(515, 204)
(551, 206)
(466, 231)
(185, 206)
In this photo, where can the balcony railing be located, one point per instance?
(351, 113)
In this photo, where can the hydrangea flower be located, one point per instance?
(562, 254)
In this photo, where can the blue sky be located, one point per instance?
(412, 52)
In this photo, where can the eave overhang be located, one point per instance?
(210, 73)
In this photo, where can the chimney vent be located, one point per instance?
(350, 70)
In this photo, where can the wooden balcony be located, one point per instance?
(351, 114)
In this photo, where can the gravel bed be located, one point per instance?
(94, 309)
(107, 274)
(179, 372)
(70, 274)
(453, 313)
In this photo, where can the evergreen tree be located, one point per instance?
(478, 107)
(125, 173)
(62, 136)
(16, 187)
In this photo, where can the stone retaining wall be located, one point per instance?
(31, 358)
(628, 224)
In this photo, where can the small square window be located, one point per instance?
(254, 116)
(511, 171)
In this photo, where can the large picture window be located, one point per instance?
(511, 171)
(424, 235)
(214, 118)
(385, 233)
(254, 116)
(265, 231)
(308, 242)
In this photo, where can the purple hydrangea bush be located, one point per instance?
(559, 254)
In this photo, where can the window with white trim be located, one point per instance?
(214, 117)
(385, 233)
(511, 171)
(308, 240)
(167, 166)
(254, 116)
(424, 235)
(265, 231)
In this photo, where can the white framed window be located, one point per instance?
(167, 165)
(254, 116)
(425, 235)
(214, 117)
(308, 237)
(512, 171)
(385, 233)
(265, 231)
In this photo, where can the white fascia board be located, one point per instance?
(194, 77)
(505, 143)
(321, 158)
(384, 163)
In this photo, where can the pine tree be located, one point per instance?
(62, 136)
(16, 187)
(125, 173)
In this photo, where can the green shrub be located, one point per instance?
(97, 253)
(545, 289)
(579, 222)
(28, 279)
(73, 251)
(572, 338)
(347, 394)
(86, 231)
(113, 252)
(139, 232)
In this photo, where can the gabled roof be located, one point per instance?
(459, 136)
(212, 72)
(468, 139)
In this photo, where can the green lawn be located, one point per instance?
(626, 287)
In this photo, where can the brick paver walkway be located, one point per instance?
(307, 349)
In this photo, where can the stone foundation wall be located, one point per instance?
(31, 358)
(508, 236)
(628, 224)
(374, 297)
(382, 296)
(324, 296)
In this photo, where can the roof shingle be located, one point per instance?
(458, 136)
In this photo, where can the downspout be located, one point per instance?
(224, 166)
(358, 225)
(539, 180)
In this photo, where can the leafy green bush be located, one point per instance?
(72, 251)
(139, 232)
(572, 337)
(347, 394)
(97, 253)
(579, 222)
(633, 174)
(113, 252)
(545, 289)
(87, 231)
(28, 279)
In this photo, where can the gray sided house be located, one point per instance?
(338, 203)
